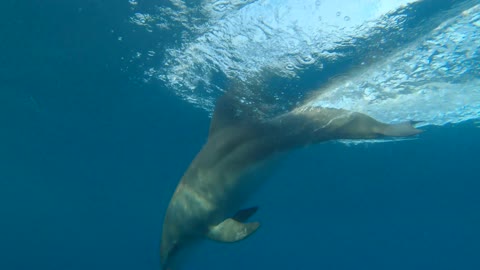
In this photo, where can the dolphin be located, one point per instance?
(207, 203)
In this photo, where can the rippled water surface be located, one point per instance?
(396, 60)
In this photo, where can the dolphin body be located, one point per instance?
(207, 202)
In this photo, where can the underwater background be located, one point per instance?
(93, 142)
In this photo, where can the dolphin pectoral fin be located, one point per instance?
(401, 129)
(231, 230)
(244, 214)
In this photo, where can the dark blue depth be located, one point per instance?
(89, 158)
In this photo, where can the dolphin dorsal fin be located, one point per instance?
(228, 111)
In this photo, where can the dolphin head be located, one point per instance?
(170, 246)
(175, 249)
(177, 241)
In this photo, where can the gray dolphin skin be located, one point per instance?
(207, 203)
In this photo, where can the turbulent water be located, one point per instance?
(396, 60)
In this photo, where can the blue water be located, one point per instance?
(90, 155)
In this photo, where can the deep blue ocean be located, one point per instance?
(90, 155)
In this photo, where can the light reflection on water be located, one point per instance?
(241, 39)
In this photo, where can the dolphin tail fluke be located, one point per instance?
(401, 129)
(231, 230)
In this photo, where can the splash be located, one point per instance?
(405, 67)
(435, 80)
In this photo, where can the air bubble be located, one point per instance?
(338, 13)
(306, 60)
(318, 3)
(220, 6)
(290, 66)
(140, 19)
(346, 18)
(150, 72)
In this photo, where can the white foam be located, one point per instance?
(435, 79)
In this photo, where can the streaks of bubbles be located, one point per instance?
(239, 40)
(417, 80)
(151, 53)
